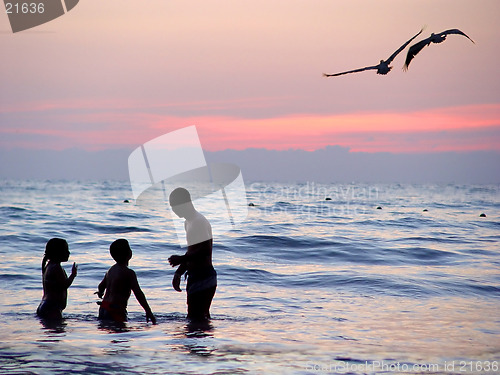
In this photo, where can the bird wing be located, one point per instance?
(393, 56)
(456, 31)
(414, 50)
(351, 71)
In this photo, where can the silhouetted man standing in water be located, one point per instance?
(197, 261)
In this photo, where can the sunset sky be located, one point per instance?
(115, 74)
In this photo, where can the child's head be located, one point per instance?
(57, 250)
(120, 251)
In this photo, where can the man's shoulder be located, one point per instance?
(200, 219)
(199, 224)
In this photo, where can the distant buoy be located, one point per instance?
(251, 204)
(379, 208)
(126, 201)
(482, 215)
(328, 199)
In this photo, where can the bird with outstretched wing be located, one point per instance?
(434, 38)
(383, 67)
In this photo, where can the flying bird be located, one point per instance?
(383, 67)
(434, 38)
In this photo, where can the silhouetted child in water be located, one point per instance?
(54, 279)
(118, 282)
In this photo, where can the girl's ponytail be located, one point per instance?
(44, 263)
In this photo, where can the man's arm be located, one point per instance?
(193, 252)
(176, 281)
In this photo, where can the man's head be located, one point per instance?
(180, 201)
(120, 251)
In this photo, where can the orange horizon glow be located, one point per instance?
(114, 125)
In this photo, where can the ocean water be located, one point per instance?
(306, 285)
